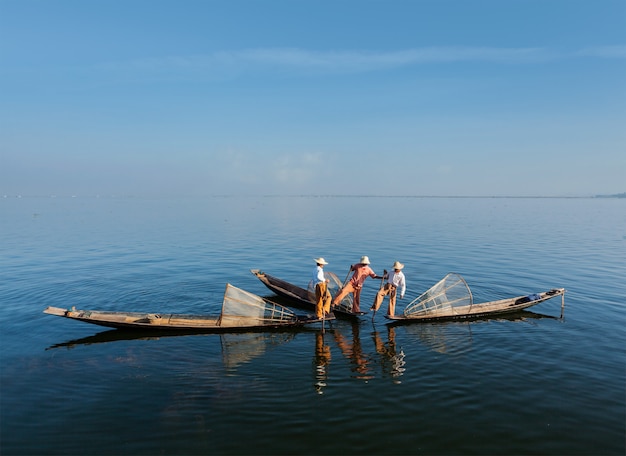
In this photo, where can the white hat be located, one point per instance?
(398, 265)
(365, 260)
(320, 260)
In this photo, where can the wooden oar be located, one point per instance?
(345, 281)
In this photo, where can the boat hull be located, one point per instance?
(167, 322)
(481, 310)
(298, 296)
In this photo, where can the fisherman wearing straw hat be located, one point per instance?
(320, 284)
(362, 271)
(395, 280)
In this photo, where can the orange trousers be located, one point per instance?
(349, 288)
(322, 299)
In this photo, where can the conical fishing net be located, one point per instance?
(451, 291)
(242, 308)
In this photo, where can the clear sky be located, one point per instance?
(299, 97)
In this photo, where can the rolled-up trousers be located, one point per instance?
(322, 299)
(349, 288)
(387, 289)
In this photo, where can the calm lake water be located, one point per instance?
(533, 383)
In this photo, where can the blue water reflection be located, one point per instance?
(533, 383)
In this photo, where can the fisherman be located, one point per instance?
(395, 280)
(320, 283)
(362, 271)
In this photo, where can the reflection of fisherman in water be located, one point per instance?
(391, 361)
(354, 352)
(322, 360)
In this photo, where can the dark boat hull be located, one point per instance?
(298, 296)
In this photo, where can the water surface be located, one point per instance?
(532, 383)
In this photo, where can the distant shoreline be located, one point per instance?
(112, 196)
(617, 195)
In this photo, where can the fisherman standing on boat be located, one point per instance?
(395, 280)
(362, 271)
(322, 295)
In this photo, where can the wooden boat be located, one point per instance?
(241, 310)
(305, 298)
(452, 299)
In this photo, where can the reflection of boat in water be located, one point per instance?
(237, 347)
(451, 299)
(114, 335)
(241, 310)
(450, 338)
(306, 298)
(455, 337)
(240, 348)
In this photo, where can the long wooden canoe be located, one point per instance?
(452, 299)
(241, 310)
(304, 298)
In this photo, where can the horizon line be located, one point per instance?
(112, 195)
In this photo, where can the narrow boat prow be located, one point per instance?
(56, 311)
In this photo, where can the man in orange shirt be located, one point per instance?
(362, 271)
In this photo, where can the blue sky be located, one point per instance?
(299, 97)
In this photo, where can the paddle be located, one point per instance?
(345, 281)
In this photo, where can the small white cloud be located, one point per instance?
(225, 65)
(352, 60)
(371, 60)
(606, 52)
